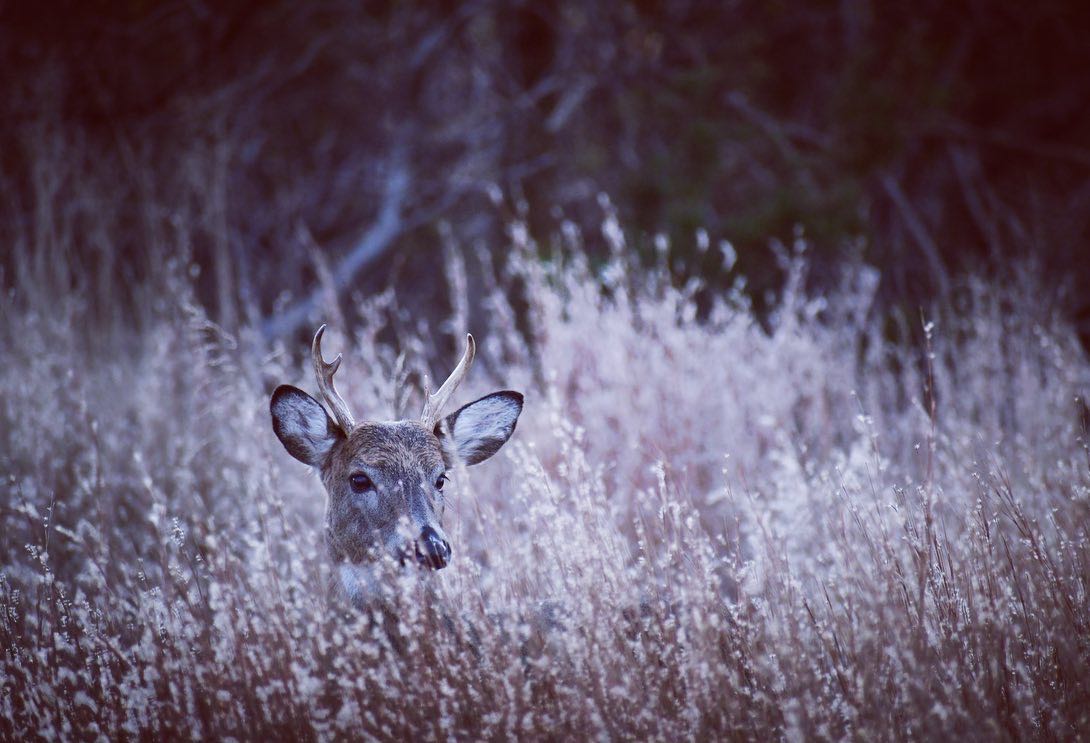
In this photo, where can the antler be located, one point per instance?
(433, 404)
(324, 372)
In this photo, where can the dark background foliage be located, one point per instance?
(263, 143)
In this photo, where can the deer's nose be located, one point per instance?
(432, 550)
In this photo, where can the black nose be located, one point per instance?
(432, 550)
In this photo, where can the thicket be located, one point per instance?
(930, 140)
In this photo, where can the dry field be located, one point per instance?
(706, 525)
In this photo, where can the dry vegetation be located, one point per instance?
(702, 528)
(720, 517)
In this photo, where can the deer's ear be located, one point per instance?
(302, 425)
(477, 431)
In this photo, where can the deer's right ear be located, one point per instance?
(302, 425)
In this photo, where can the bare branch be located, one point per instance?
(375, 241)
(919, 232)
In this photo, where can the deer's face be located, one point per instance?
(385, 481)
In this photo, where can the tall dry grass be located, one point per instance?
(705, 526)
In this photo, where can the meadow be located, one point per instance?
(816, 523)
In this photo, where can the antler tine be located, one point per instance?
(324, 372)
(433, 404)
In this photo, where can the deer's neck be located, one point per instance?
(354, 582)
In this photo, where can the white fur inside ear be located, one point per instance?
(481, 428)
(302, 425)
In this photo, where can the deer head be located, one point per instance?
(385, 480)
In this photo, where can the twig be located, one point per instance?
(918, 230)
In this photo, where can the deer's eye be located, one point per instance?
(360, 482)
(440, 482)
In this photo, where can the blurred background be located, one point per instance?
(281, 153)
(796, 293)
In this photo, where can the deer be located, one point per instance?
(385, 480)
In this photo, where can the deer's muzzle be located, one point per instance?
(432, 550)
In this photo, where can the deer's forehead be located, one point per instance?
(399, 446)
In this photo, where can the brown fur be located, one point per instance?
(396, 507)
(403, 460)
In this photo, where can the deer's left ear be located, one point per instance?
(476, 431)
